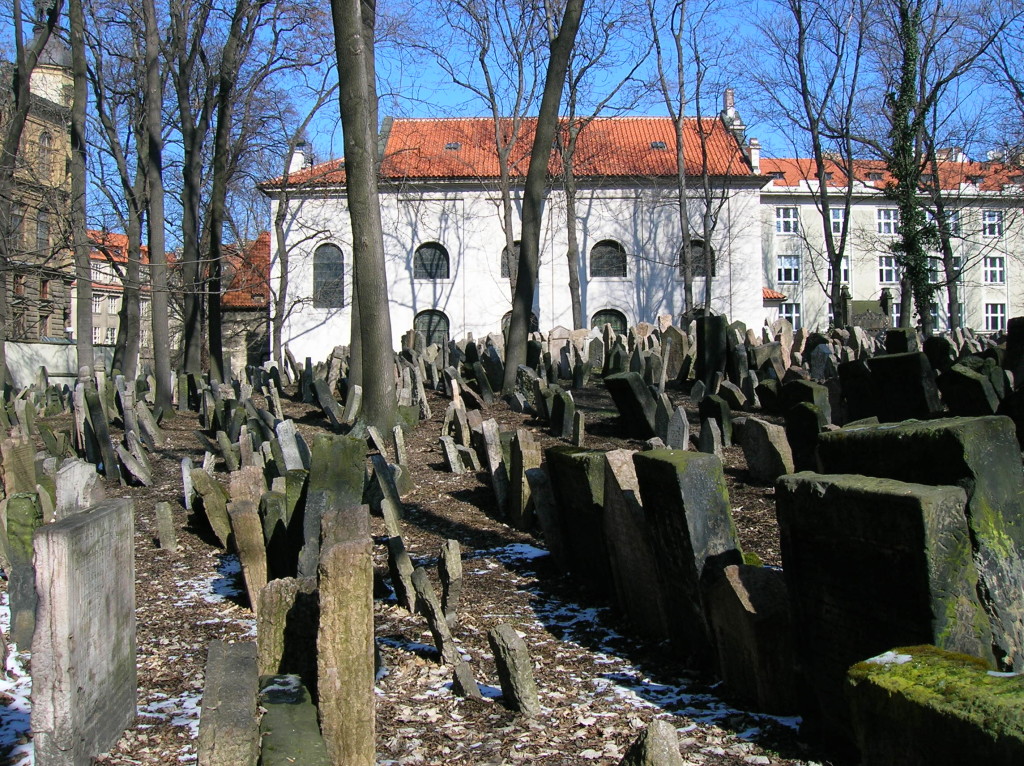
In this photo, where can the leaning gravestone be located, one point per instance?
(635, 403)
(83, 655)
(980, 455)
(686, 504)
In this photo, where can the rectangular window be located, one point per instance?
(995, 317)
(787, 220)
(936, 271)
(887, 270)
(789, 268)
(790, 311)
(111, 336)
(888, 220)
(838, 216)
(992, 223)
(144, 338)
(112, 304)
(44, 289)
(896, 313)
(844, 271)
(144, 308)
(97, 336)
(995, 270)
(97, 304)
(97, 272)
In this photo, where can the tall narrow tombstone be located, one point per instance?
(83, 655)
(286, 628)
(577, 481)
(24, 516)
(345, 652)
(400, 567)
(215, 504)
(686, 504)
(496, 464)
(637, 589)
(166, 533)
(247, 533)
(450, 571)
(515, 670)
(429, 605)
(635, 404)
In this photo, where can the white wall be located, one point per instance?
(466, 221)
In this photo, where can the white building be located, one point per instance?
(444, 239)
(988, 238)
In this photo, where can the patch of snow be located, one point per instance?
(890, 658)
(16, 710)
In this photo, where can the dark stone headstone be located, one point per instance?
(635, 403)
(905, 386)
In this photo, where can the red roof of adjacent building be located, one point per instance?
(771, 295)
(465, 148)
(247, 275)
(988, 176)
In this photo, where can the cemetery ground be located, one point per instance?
(599, 684)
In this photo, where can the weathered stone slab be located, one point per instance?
(525, 454)
(401, 568)
(247, 534)
(546, 509)
(215, 504)
(345, 652)
(286, 628)
(450, 571)
(166, 533)
(905, 386)
(980, 455)
(637, 588)
(577, 482)
(515, 670)
(496, 464)
(228, 732)
(872, 563)
(289, 732)
(635, 403)
(657, 745)
(83, 654)
(686, 504)
(766, 450)
(78, 487)
(921, 706)
(430, 605)
(749, 612)
(24, 516)
(967, 392)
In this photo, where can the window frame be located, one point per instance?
(887, 221)
(995, 317)
(618, 315)
(421, 270)
(612, 253)
(790, 310)
(325, 294)
(887, 264)
(994, 270)
(991, 223)
(838, 218)
(789, 274)
(787, 220)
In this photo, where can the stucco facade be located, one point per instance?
(633, 218)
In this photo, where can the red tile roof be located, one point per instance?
(464, 148)
(989, 176)
(247, 273)
(771, 295)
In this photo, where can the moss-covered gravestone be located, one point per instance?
(872, 563)
(980, 455)
(921, 706)
(686, 505)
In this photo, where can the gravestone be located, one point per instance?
(429, 605)
(686, 504)
(638, 591)
(24, 517)
(905, 386)
(980, 455)
(515, 670)
(228, 730)
(78, 487)
(766, 450)
(873, 563)
(577, 482)
(286, 628)
(634, 402)
(289, 732)
(83, 654)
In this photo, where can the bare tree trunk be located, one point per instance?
(533, 193)
(159, 306)
(573, 254)
(357, 96)
(79, 235)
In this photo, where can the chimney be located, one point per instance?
(754, 155)
(730, 117)
(298, 158)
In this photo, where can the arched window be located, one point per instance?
(510, 261)
(610, 316)
(434, 326)
(45, 157)
(430, 261)
(698, 260)
(608, 259)
(328, 277)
